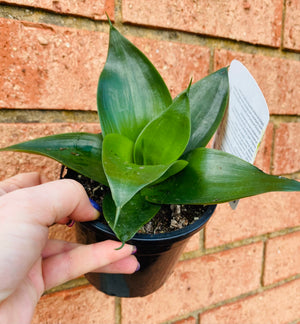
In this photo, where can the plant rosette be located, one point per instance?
(152, 149)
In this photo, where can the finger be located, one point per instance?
(54, 247)
(127, 265)
(50, 203)
(22, 180)
(69, 265)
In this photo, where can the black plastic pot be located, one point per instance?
(157, 255)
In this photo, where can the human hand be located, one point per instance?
(30, 263)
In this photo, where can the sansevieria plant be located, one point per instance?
(152, 149)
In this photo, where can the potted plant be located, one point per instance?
(151, 156)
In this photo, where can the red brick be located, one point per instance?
(94, 9)
(258, 23)
(13, 163)
(79, 305)
(62, 232)
(193, 243)
(198, 283)
(278, 305)
(282, 258)
(291, 25)
(287, 149)
(254, 216)
(50, 67)
(278, 78)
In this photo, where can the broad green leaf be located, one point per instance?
(130, 92)
(178, 166)
(164, 139)
(208, 101)
(126, 178)
(214, 176)
(133, 215)
(81, 152)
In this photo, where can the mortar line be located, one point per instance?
(118, 12)
(38, 15)
(273, 148)
(183, 317)
(36, 115)
(277, 119)
(201, 240)
(47, 116)
(118, 310)
(212, 59)
(198, 319)
(204, 239)
(282, 25)
(263, 263)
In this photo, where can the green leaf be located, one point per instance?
(164, 139)
(133, 215)
(208, 101)
(126, 178)
(130, 92)
(214, 176)
(82, 152)
(176, 167)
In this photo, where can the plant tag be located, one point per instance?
(245, 119)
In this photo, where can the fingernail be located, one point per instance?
(134, 249)
(70, 223)
(138, 267)
(97, 207)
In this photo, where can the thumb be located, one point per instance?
(51, 202)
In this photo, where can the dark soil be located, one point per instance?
(168, 219)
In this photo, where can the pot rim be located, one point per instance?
(186, 231)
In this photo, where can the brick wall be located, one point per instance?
(245, 266)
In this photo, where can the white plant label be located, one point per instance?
(246, 117)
